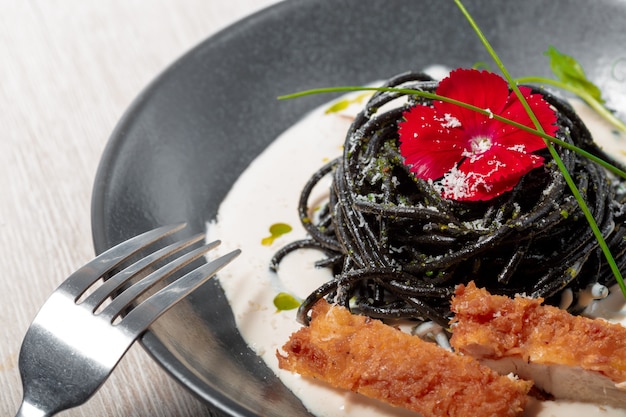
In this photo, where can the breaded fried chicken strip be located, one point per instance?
(570, 357)
(366, 356)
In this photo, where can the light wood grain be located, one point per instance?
(69, 69)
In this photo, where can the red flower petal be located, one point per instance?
(511, 136)
(479, 88)
(471, 155)
(429, 146)
(478, 190)
(496, 172)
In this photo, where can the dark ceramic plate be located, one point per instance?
(189, 135)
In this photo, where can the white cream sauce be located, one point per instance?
(267, 193)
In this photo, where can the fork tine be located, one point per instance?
(142, 316)
(119, 303)
(84, 277)
(116, 281)
(69, 351)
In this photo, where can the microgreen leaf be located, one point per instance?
(570, 72)
(594, 104)
(571, 77)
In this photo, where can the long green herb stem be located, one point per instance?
(513, 83)
(566, 175)
(432, 96)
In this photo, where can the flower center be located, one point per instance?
(480, 144)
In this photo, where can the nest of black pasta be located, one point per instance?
(398, 249)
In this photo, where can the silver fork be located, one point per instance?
(79, 336)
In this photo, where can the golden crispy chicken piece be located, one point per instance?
(570, 357)
(366, 356)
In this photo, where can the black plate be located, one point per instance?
(189, 135)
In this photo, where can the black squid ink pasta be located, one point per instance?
(397, 249)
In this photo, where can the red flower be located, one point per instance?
(468, 155)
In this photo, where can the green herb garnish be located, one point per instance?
(571, 77)
(432, 96)
(572, 72)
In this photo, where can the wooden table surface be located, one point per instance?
(68, 71)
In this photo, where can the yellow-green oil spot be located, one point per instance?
(276, 230)
(344, 104)
(284, 301)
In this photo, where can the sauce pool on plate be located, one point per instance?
(267, 194)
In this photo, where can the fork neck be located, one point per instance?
(29, 410)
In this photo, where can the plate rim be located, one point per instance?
(100, 237)
(219, 403)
